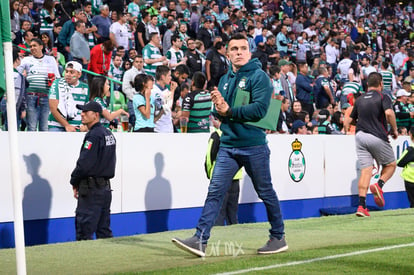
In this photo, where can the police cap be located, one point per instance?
(90, 106)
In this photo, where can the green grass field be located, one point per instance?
(233, 248)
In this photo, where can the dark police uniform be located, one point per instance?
(94, 168)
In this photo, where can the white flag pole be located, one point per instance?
(13, 139)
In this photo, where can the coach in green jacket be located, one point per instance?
(242, 145)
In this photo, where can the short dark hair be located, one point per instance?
(138, 56)
(26, 34)
(40, 42)
(175, 38)
(238, 36)
(151, 35)
(170, 23)
(374, 80)
(322, 70)
(301, 64)
(199, 80)
(219, 45)
(366, 57)
(144, 13)
(15, 53)
(182, 69)
(184, 86)
(21, 22)
(160, 71)
(273, 70)
(78, 24)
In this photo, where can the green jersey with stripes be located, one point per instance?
(351, 88)
(133, 9)
(115, 72)
(198, 103)
(277, 86)
(68, 97)
(236, 3)
(184, 37)
(174, 56)
(187, 15)
(161, 20)
(402, 114)
(411, 109)
(387, 77)
(104, 106)
(95, 6)
(38, 71)
(294, 49)
(151, 52)
(44, 25)
(324, 128)
(91, 37)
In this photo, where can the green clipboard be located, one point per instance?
(269, 122)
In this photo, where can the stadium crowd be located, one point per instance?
(318, 55)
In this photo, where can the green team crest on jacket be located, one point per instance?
(242, 83)
(297, 164)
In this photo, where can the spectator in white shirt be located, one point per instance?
(332, 54)
(118, 32)
(398, 59)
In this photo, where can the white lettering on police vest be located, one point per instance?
(110, 140)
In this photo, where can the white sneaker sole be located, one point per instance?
(362, 215)
(185, 247)
(280, 250)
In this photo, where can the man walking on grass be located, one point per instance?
(241, 144)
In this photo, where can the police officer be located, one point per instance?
(90, 179)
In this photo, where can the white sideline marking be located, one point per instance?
(317, 259)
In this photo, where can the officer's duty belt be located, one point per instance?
(99, 182)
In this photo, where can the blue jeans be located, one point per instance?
(56, 129)
(131, 112)
(3, 110)
(255, 160)
(37, 112)
(334, 69)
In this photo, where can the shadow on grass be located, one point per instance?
(126, 240)
(159, 246)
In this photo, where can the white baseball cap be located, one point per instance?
(75, 65)
(402, 92)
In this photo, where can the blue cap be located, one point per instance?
(297, 124)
